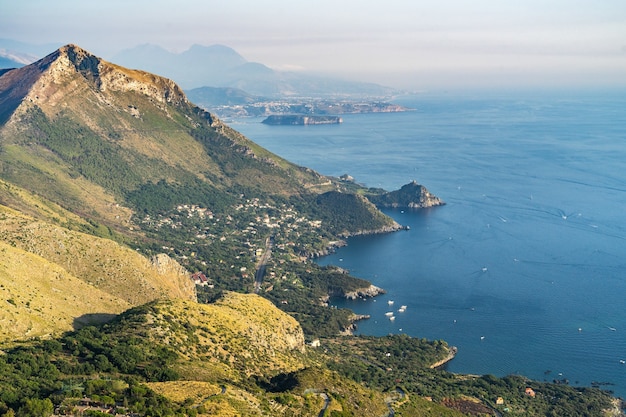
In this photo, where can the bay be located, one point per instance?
(524, 268)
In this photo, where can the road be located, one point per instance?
(262, 263)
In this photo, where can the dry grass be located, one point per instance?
(105, 264)
(179, 391)
(53, 279)
(239, 336)
(40, 298)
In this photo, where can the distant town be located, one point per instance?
(306, 107)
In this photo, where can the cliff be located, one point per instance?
(412, 195)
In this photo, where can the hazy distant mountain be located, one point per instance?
(221, 66)
(6, 62)
(14, 54)
(208, 97)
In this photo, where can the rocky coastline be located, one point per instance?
(369, 292)
(412, 196)
(349, 331)
(387, 229)
(452, 351)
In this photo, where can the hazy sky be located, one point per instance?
(402, 43)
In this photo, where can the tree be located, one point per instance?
(36, 408)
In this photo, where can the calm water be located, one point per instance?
(524, 269)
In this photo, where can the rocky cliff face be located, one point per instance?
(412, 195)
(45, 83)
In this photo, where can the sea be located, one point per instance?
(524, 268)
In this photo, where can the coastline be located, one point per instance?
(451, 355)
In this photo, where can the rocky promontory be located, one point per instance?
(371, 291)
(412, 195)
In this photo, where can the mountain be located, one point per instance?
(208, 97)
(14, 54)
(221, 66)
(89, 134)
(120, 154)
(115, 191)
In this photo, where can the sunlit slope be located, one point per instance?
(86, 133)
(52, 277)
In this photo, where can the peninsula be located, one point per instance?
(301, 120)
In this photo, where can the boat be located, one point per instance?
(390, 302)
(402, 309)
(392, 318)
(389, 314)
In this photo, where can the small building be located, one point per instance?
(200, 279)
(500, 401)
(530, 392)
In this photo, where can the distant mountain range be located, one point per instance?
(14, 54)
(215, 66)
(221, 66)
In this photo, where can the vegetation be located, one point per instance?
(141, 369)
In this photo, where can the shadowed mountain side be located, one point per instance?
(92, 319)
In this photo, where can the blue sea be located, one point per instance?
(524, 268)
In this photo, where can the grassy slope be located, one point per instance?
(40, 298)
(83, 274)
(231, 352)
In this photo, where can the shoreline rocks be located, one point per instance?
(349, 331)
(451, 354)
(387, 229)
(411, 195)
(369, 292)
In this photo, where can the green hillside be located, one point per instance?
(123, 154)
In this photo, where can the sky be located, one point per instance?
(411, 44)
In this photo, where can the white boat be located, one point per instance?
(390, 302)
(402, 309)
(392, 318)
(389, 314)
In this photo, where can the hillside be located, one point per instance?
(55, 280)
(240, 356)
(92, 147)
(114, 189)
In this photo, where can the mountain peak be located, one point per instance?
(44, 80)
(84, 62)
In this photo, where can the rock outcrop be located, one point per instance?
(412, 195)
(371, 291)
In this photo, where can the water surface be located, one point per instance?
(524, 268)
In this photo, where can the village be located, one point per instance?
(237, 237)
